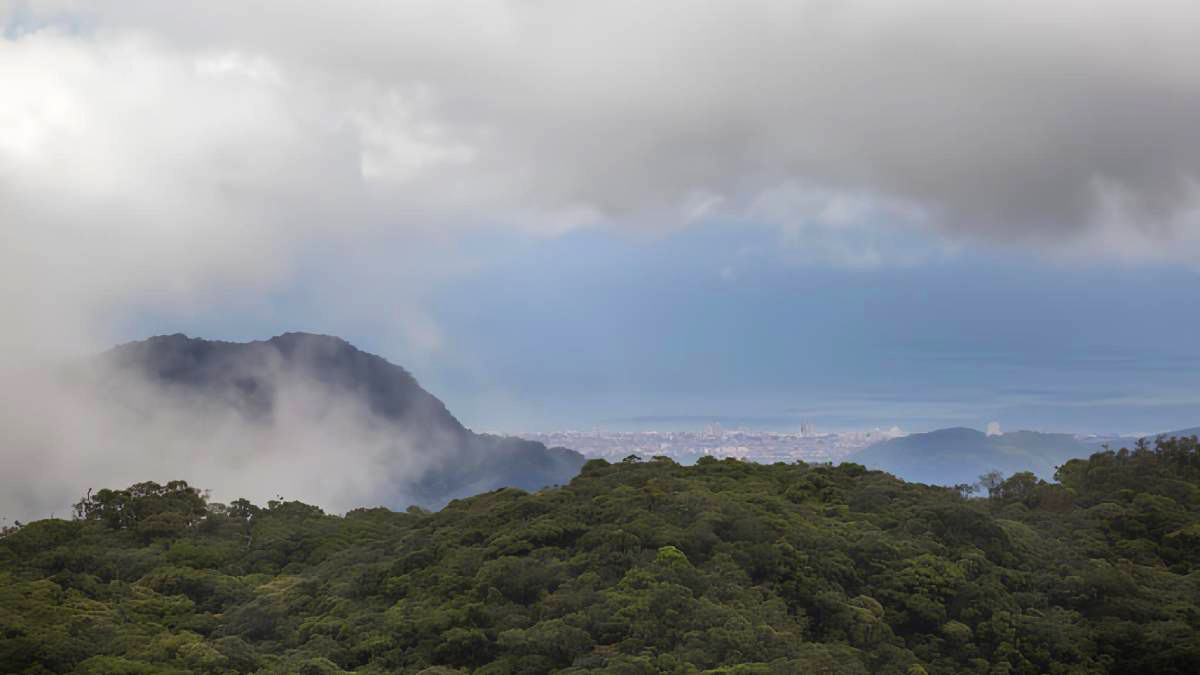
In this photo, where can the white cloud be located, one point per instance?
(163, 152)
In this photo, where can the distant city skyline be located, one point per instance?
(756, 445)
(714, 441)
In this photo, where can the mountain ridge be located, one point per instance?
(252, 378)
(958, 455)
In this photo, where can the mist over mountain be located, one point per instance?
(254, 378)
(299, 415)
(961, 455)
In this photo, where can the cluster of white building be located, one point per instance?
(713, 440)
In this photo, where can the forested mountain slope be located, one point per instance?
(635, 567)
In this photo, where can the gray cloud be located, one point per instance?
(997, 118)
(161, 154)
(1015, 120)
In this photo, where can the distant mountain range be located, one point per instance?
(960, 455)
(437, 458)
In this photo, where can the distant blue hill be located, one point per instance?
(961, 455)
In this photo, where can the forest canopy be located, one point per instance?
(640, 566)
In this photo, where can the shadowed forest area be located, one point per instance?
(641, 566)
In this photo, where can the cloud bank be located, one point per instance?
(159, 153)
(1009, 115)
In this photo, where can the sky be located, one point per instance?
(578, 215)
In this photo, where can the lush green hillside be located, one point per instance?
(637, 567)
(961, 455)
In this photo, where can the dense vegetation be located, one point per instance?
(635, 567)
